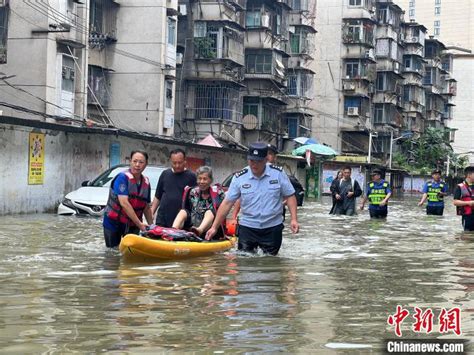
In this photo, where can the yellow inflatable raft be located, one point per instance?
(136, 247)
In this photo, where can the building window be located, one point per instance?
(380, 82)
(437, 2)
(169, 94)
(378, 113)
(411, 13)
(437, 31)
(292, 127)
(437, 10)
(352, 70)
(355, 2)
(206, 41)
(252, 19)
(259, 62)
(3, 33)
(97, 80)
(171, 31)
(215, 101)
(437, 23)
(412, 4)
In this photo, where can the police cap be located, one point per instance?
(376, 172)
(436, 171)
(257, 151)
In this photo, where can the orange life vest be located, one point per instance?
(466, 195)
(137, 196)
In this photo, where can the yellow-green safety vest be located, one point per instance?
(433, 192)
(377, 195)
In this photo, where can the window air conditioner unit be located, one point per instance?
(348, 86)
(396, 67)
(182, 9)
(402, 37)
(179, 58)
(353, 111)
(414, 39)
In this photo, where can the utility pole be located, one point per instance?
(370, 147)
(391, 150)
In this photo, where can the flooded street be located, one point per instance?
(332, 287)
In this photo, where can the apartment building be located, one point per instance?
(452, 22)
(372, 77)
(111, 62)
(244, 75)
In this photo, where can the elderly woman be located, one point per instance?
(200, 204)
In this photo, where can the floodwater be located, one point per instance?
(331, 288)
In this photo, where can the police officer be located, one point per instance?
(434, 191)
(261, 188)
(378, 194)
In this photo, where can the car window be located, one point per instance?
(153, 174)
(106, 178)
(227, 181)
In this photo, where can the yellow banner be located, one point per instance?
(36, 159)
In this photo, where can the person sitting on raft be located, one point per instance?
(200, 204)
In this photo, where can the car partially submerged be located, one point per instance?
(91, 198)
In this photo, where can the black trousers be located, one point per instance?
(268, 239)
(468, 223)
(378, 213)
(113, 238)
(435, 210)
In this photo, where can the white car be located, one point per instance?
(91, 198)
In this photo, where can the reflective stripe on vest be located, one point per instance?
(433, 192)
(137, 197)
(377, 195)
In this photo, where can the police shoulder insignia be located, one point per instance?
(241, 172)
(122, 187)
(385, 184)
(371, 185)
(279, 168)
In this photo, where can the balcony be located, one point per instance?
(268, 112)
(219, 43)
(299, 84)
(102, 23)
(301, 43)
(229, 12)
(264, 64)
(358, 32)
(302, 19)
(357, 87)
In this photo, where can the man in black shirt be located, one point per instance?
(169, 191)
(464, 199)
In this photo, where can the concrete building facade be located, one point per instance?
(452, 22)
(245, 73)
(372, 79)
(109, 62)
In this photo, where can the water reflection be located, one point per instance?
(331, 288)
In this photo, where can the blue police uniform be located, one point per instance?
(261, 199)
(435, 204)
(376, 192)
(261, 203)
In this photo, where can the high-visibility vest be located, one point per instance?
(377, 195)
(433, 192)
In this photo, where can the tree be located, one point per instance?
(427, 152)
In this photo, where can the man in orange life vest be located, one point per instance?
(129, 199)
(464, 199)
